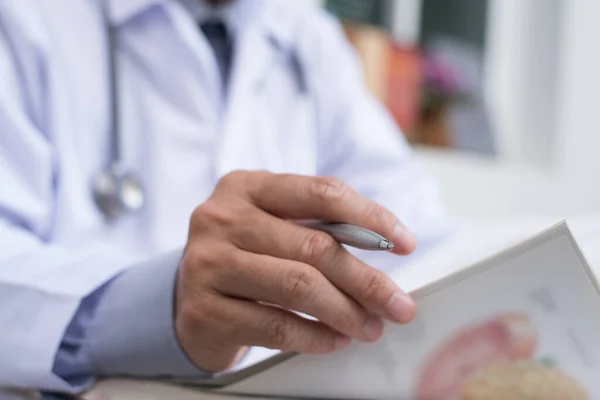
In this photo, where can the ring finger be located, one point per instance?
(247, 323)
(299, 287)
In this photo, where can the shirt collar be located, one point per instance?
(121, 11)
(235, 14)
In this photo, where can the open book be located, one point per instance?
(523, 321)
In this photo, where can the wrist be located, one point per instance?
(133, 331)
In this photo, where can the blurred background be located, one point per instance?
(497, 96)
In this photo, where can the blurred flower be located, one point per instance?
(442, 84)
(440, 75)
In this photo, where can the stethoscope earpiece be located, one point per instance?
(117, 192)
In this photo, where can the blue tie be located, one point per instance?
(218, 37)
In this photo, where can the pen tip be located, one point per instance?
(390, 246)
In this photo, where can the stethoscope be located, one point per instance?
(117, 190)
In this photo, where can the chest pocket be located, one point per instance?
(286, 117)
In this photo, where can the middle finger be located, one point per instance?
(296, 286)
(370, 287)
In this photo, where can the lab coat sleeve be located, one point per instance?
(40, 285)
(126, 327)
(360, 143)
(66, 312)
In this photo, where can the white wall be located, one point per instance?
(571, 185)
(522, 62)
(579, 122)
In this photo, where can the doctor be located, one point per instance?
(214, 124)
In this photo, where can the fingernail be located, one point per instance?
(373, 328)
(403, 239)
(401, 308)
(341, 342)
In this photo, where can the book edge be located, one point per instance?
(494, 259)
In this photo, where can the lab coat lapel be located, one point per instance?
(270, 124)
(243, 143)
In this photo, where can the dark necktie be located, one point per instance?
(218, 37)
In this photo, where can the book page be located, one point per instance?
(529, 316)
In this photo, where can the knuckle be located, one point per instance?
(375, 214)
(321, 343)
(241, 178)
(234, 177)
(346, 321)
(201, 256)
(374, 284)
(278, 332)
(301, 285)
(212, 212)
(316, 245)
(330, 189)
(198, 218)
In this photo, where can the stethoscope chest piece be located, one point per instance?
(118, 192)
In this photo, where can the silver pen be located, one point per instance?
(352, 235)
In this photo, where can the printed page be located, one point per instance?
(525, 321)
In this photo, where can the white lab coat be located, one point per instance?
(55, 247)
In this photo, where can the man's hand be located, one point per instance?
(246, 265)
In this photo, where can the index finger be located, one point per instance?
(305, 197)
